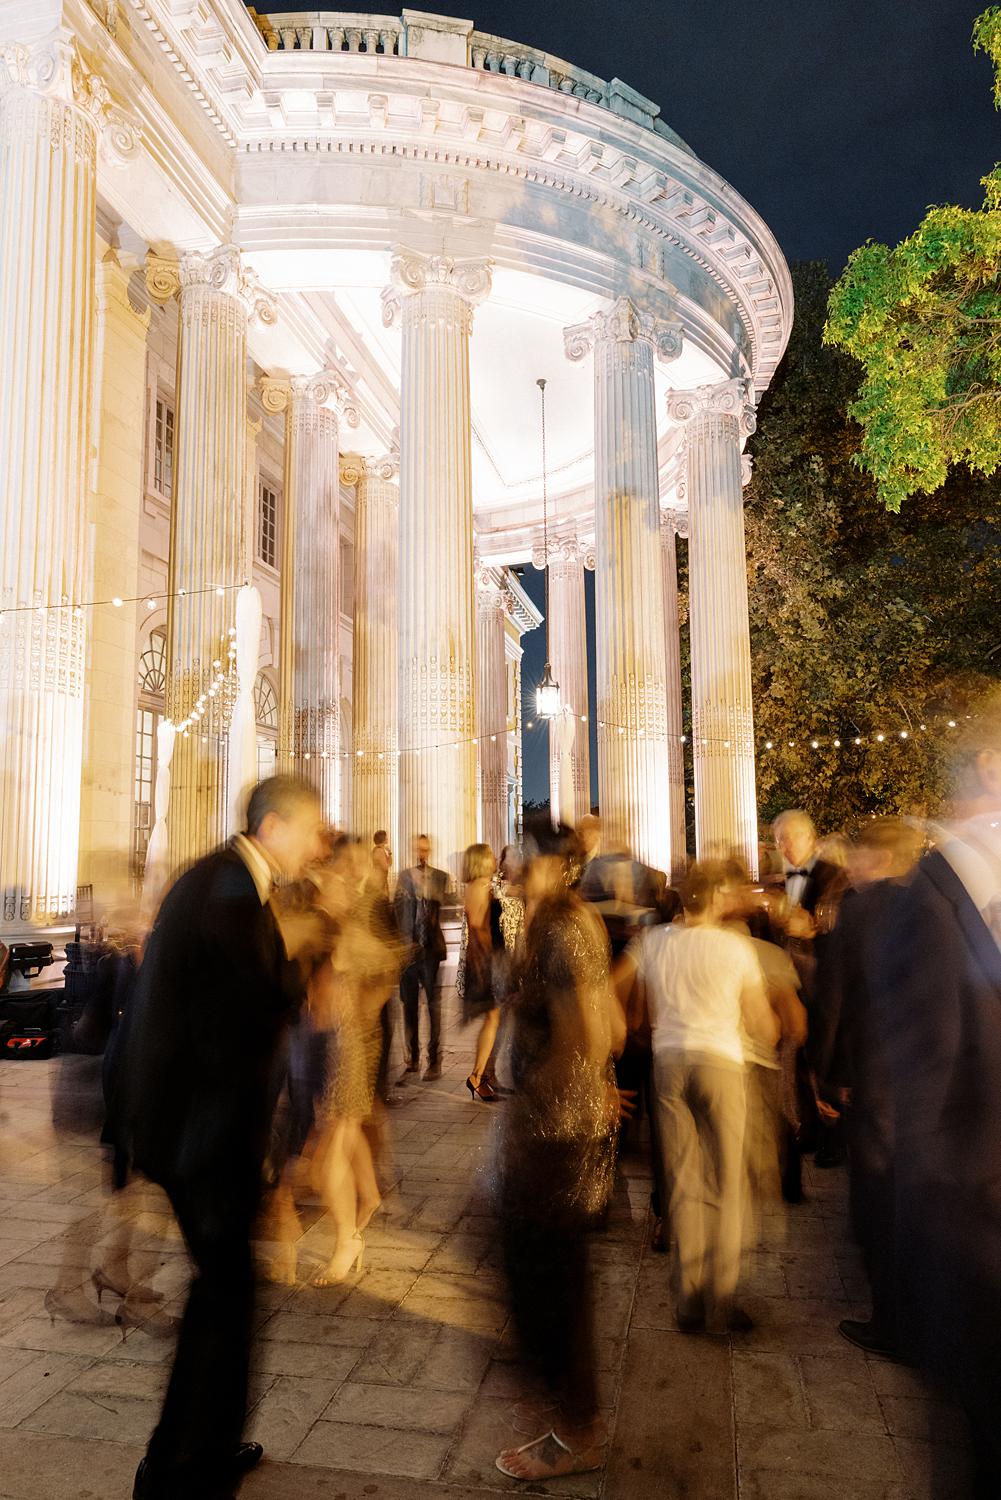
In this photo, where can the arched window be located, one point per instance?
(266, 708)
(149, 712)
(266, 703)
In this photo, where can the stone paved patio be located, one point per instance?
(405, 1382)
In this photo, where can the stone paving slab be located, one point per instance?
(407, 1380)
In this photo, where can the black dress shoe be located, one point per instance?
(692, 1315)
(867, 1336)
(246, 1457)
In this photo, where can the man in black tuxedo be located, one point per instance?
(938, 993)
(421, 892)
(812, 888)
(851, 1062)
(214, 993)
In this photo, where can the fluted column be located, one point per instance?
(434, 298)
(567, 649)
(491, 707)
(374, 782)
(633, 789)
(673, 523)
(52, 110)
(717, 419)
(210, 528)
(309, 702)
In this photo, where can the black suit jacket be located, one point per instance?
(407, 904)
(846, 1047)
(938, 992)
(214, 992)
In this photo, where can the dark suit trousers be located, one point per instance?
(422, 974)
(206, 1402)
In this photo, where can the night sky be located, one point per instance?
(839, 120)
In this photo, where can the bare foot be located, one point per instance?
(548, 1457)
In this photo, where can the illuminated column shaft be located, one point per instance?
(434, 296)
(491, 709)
(315, 491)
(209, 526)
(567, 641)
(374, 780)
(718, 417)
(673, 699)
(633, 790)
(50, 108)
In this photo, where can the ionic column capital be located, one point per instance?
(563, 546)
(357, 469)
(673, 522)
(281, 392)
(624, 323)
(220, 270)
(412, 273)
(54, 69)
(728, 398)
(491, 595)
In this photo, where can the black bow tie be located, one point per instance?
(791, 873)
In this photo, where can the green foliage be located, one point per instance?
(861, 619)
(924, 321)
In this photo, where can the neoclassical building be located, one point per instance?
(275, 295)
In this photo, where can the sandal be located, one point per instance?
(554, 1459)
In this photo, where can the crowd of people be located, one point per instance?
(845, 1002)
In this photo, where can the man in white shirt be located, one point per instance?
(704, 988)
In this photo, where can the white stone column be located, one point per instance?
(633, 762)
(309, 712)
(491, 707)
(672, 524)
(717, 418)
(115, 510)
(208, 532)
(51, 111)
(374, 678)
(434, 297)
(567, 643)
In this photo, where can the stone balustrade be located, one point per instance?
(331, 31)
(339, 31)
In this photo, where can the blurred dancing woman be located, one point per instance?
(346, 995)
(481, 977)
(557, 1159)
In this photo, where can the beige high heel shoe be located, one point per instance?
(342, 1262)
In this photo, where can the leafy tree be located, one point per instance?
(924, 320)
(862, 620)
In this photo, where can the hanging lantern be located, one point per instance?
(547, 696)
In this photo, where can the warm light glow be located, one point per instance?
(815, 744)
(880, 738)
(547, 695)
(768, 743)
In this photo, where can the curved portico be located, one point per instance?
(410, 215)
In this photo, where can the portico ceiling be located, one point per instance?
(330, 310)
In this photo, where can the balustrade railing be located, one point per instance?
(338, 31)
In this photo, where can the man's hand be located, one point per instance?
(627, 1103)
(800, 924)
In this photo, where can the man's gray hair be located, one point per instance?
(281, 795)
(788, 815)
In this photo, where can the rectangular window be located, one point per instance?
(145, 772)
(267, 757)
(163, 450)
(267, 525)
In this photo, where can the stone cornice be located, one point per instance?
(623, 323)
(304, 102)
(727, 398)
